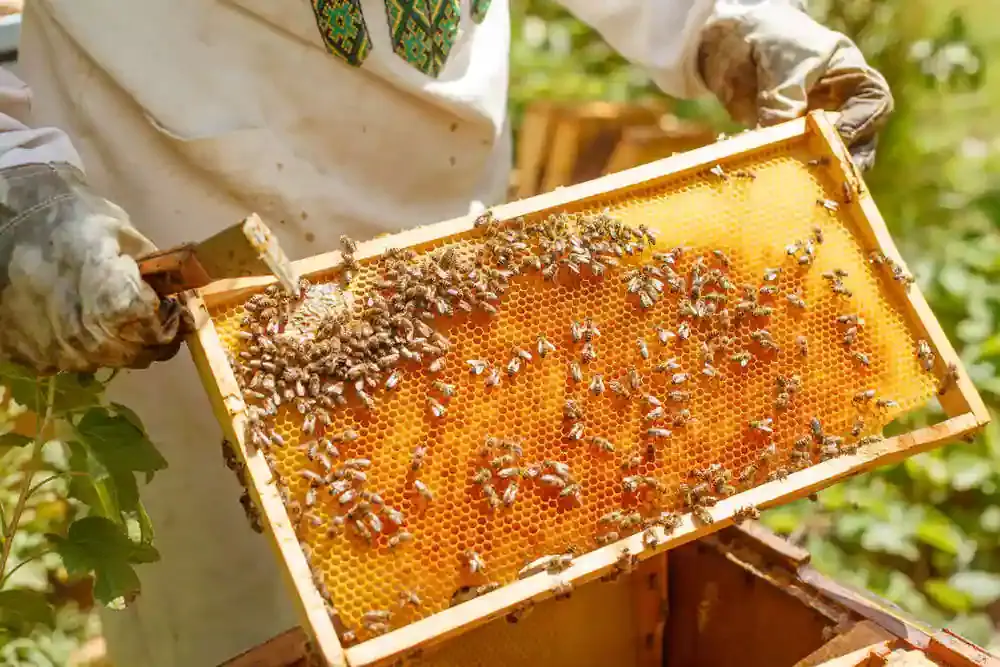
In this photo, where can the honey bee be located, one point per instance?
(393, 515)
(679, 396)
(572, 410)
(862, 358)
(619, 389)
(513, 366)
(762, 425)
(702, 515)
(684, 331)
(409, 598)
(829, 205)
(493, 379)
(588, 353)
(603, 444)
(767, 453)
(571, 490)
(667, 366)
(349, 245)
(422, 490)
(796, 300)
(476, 366)
(643, 348)
(742, 358)
(576, 331)
(597, 384)
(719, 172)
(778, 474)
(655, 414)
(925, 355)
(664, 335)
(803, 444)
(650, 539)
(859, 425)
(576, 431)
(358, 463)
(748, 474)
(436, 408)
(949, 380)
(446, 390)
(606, 538)
(886, 403)
(680, 378)
(869, 440)
(768, 290)
(634, 380)
(510, 493)
(744, 513)
(474, 561)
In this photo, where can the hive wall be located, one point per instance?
(752, 221)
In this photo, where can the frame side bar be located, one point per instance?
(213, 367)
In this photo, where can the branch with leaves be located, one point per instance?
(84, 455)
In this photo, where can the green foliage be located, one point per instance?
(70, 508)
(924, 534)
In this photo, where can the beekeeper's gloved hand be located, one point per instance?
(770, 62)
(71, 297)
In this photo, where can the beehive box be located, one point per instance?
(762, 199)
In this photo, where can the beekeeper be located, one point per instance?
(325, 118)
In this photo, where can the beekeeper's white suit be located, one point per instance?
(325, 117)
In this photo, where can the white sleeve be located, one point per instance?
(19, 142)
(662, 36)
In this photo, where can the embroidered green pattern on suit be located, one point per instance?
(423, 31)
(343, 28)
(479, 9)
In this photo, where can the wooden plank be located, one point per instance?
(593, 565)
(790, 554)
(533, 147)
(227, 403)
(957, 651)
(870, 656)
(864, 634)
(563, 152)
(289, 649)
(649, 593)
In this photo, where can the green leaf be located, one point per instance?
(129, 414)
(102, 546)
(942, 593)
(15, 440)
(143, 553)
(982, 588)
(118, 442)
(74, 391)
(126, 489)
(938, 531)
(23, 608)
(83, 487)
(114, 580)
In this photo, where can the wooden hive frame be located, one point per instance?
(964, 408)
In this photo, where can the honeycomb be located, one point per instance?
(752, 220)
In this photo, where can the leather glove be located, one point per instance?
(771, 62)
(71, 297)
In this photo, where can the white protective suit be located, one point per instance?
(190, 114)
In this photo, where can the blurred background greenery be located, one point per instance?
(924, 534)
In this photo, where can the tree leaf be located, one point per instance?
(938, 531)
(115, 579)
(15, 440)
(23, 608)
(143, 553)
(119, 443)
(129, 414)
(981, 588)
(946, 596)
(74, 391)
(125, 488)
(82, 487)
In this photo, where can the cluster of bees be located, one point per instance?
(351, 356)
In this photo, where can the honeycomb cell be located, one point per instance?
(753, 221)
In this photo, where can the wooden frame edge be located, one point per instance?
(209, 358)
